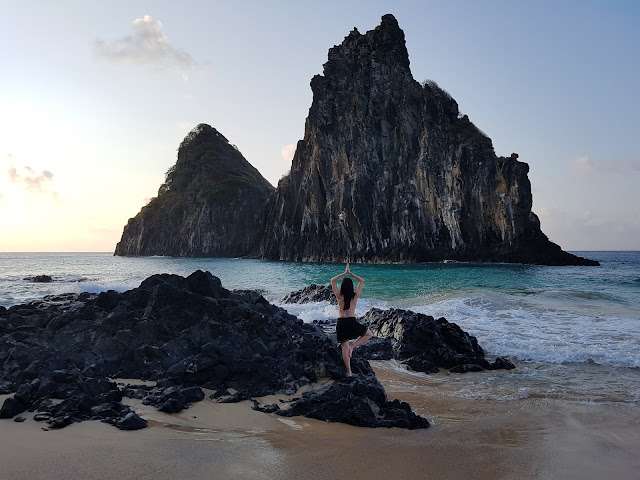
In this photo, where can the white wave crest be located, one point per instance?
(543, 335)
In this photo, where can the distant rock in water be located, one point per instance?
(312, 293)
(40, 279)
(390, 170)
(208, 206)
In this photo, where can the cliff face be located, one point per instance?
(208, 206)
(389, 170)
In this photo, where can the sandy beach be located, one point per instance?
(469, 438)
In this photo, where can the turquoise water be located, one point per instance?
(574, 331)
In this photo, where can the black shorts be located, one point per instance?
(348, 328)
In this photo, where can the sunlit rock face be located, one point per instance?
(390, 171)
(208, 206)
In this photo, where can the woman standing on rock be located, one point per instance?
(348, 327)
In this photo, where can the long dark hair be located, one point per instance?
(346, 289)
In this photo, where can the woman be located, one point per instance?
(348, 328)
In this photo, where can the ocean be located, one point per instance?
(573, 332)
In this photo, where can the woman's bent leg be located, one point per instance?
(363, 339)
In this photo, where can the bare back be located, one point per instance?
(351, 311)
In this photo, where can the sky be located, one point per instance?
(95, 98)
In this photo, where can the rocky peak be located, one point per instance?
(384, 45)
(210, 167)
(208, 205)
(389, 170)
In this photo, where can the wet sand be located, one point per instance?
(469, 439)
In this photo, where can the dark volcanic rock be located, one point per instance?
(390, 170)
(11, 407)
(312, 293)
(184, 333)
(131, 421)
(376, 349)
(40, 279)
(358, 401)
(207, 207)
(426, 344)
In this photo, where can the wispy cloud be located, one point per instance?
(590, 230)
(146, 47)
(587, 166)
(584, 165)
(32, 181)
(288, 151)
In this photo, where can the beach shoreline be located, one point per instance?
(469, 438)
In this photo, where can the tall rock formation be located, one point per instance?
(208, 206)
(389, 170)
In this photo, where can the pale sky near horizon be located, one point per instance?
(95, 98)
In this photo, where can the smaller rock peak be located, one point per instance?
(202, 133)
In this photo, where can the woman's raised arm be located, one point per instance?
(334, 282)
(360, 283)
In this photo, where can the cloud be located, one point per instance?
(586, 166)
(288, 151)
(32, 181)
(589, 230)
(148, 47)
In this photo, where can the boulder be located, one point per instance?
(425, 344)
(312, 293)
(359, 401)
(131, 421)
(11, 407)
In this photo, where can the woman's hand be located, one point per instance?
(347, 271)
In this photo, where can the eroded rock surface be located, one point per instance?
(390, 170)
(207, 207)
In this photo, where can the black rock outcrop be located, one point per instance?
(425, 344)
(312, 293)
(389, 170)
(360, 401)
(184, 333)
(208, 206)
(40, 279)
